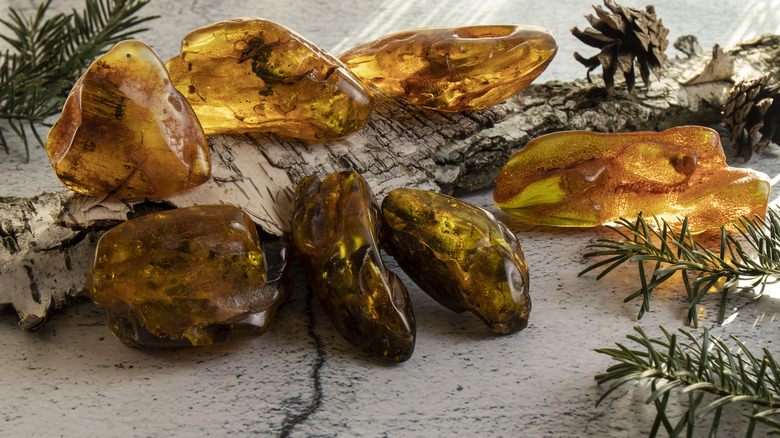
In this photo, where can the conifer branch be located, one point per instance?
(667, 251)
(47, 56)
(706, 371)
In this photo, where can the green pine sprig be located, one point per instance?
(47, 56)
(659, 252)
(705, 371)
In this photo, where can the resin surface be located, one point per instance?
(583, 179)
(126, 132)
(253, 75)
(190, 276)
(336, 233)
(454, 69)
(460, 255)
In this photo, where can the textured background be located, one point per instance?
(73, 378)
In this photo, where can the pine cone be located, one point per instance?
(752, 107)
(623, 35)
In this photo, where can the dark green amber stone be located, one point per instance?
(460, 255)
(336, 233)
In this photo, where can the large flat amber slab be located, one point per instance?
(454, 69)
(252, 75)
(583, 179)
(335, 232)
(190, 276)
(126, 132)
(460, 255)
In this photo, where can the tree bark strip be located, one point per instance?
(48, 241)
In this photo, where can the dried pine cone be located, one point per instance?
(623, 35)
(752, 107)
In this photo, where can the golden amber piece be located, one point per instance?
(582, 179)
(336, 227)
(454, 69)
(190, 276)
(125, 131)
(460, 255)
(251, 75)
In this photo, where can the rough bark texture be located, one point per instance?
(48, 241)
(42, 263)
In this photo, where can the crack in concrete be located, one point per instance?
(291, 421)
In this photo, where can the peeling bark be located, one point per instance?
(42, 263)
(48, 241)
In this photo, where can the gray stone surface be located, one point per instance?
(72, 378)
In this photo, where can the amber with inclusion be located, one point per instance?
(335, 233)
(190, 276)
(582, 179)
(460, 255)
(126, 132)
(253, 75)
(454, 69)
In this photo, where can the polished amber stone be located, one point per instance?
(582, 179)
(251, 75)
(190, 276)
(126, 132)
(460, 255)
(335, 232)
(454, 69)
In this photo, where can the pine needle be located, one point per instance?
(47, 56)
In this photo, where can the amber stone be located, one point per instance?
(126, 132)
(582, 179)
(454, 69)
(460, 255)
(252, 75)
(335, 233)
(190, 276)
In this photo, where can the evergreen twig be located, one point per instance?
(47, 56)
(697, 367)
(669, 251)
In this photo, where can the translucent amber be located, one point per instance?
(582, 179)
(190, 276)
(460, 255)
(454, 69)
(250, 75)
(125, 131)
(336, 226)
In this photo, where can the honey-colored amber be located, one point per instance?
(335, 232)
(190, 276)
(582, 179)
(126, 132)
(251, 75)
(454, 69)
(460, 255)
